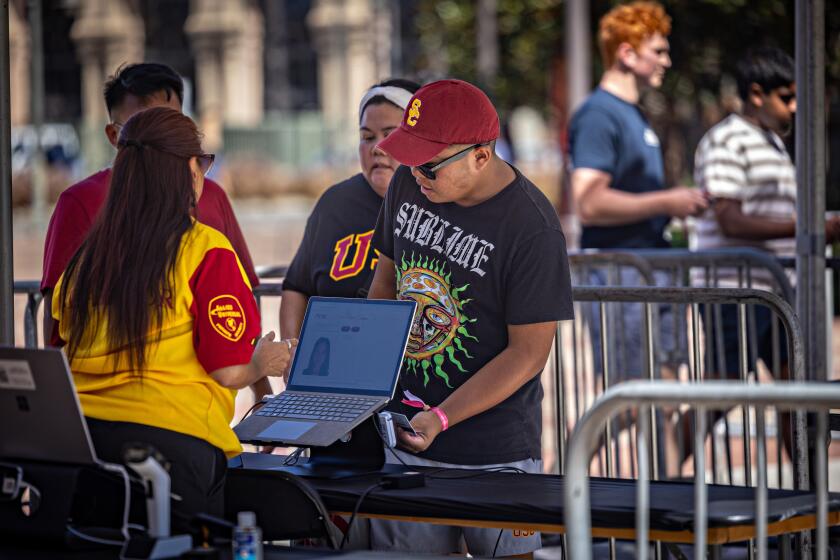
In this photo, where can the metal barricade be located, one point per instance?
(789, 263)
(569, 406)
(751, 268)
(608, 269)
(32, 290)
(832, 269)
(585, 262)
(644, 397)
(272, 271)
(740, 267)
(269, 288)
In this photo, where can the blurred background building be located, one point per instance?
(270, 81)
(274, 84)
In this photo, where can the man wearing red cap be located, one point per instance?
(481, 251)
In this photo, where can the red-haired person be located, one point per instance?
(157, 317)
(618, 177)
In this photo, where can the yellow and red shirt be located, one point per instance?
(210, 323)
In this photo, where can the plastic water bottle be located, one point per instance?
(247, 537)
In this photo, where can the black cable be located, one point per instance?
(90, 538)
(498, 540)
(255, 405)
(293, 457)
(397, 457)
(364, 495)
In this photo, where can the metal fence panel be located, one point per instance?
(718, 395)
(569, 383)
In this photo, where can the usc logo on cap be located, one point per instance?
(413, 113)
(227, 317)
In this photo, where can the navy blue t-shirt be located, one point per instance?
(613, 136)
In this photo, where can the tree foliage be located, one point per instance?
(530, 33)
(707, 38)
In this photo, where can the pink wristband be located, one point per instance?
(444, 420)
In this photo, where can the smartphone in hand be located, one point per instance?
(402, 421)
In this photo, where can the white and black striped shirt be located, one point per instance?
(738, 160)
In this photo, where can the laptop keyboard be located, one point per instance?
(316, 407)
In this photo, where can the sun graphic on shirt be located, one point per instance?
(439, 328)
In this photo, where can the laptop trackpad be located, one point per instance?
(284, 430)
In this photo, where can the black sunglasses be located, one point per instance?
(428, 171)
(205, 162)
(786, 98)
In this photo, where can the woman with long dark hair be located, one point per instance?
(158, 316)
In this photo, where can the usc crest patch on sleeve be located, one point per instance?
(227, 317)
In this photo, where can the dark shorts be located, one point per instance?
(197, 468)
(759, 340)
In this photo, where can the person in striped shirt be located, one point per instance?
(743, 165)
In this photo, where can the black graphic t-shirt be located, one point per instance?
(335, 257)
(473, 271)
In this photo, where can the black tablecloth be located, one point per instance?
(538, 499)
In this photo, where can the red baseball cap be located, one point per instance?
(440, 114)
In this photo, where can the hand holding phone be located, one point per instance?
(402, 421)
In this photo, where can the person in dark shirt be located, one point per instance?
(335, 257)
(618, 178)
(481, 251)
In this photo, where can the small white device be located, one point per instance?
(385, 425)
(159, 544)
(157, 483)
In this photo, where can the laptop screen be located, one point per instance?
(351, 346)
(38, 399)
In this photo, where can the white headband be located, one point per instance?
(396, 95)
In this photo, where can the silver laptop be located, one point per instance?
(39, 409)
(345, 368)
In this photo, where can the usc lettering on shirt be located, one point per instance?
(336, 257)
(344, 267)
(210, 323)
